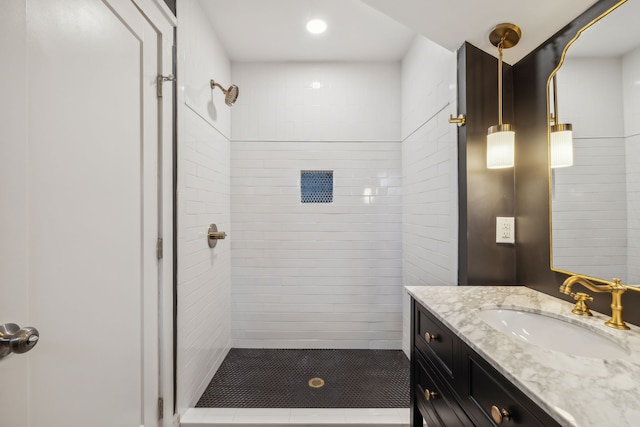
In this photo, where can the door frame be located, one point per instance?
(164, 21)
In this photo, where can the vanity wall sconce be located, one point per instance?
(561, 136)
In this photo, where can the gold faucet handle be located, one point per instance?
(581, 308)
(581, 296)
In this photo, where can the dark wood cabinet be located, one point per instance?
(453, 386)
(436, 342)
(435, 398)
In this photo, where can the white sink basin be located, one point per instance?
(553, 334)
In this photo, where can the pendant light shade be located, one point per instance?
(561, 146)
(500, 147)
(501, 137)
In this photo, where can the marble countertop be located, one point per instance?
(576, 391)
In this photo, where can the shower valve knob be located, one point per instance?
(213, 235)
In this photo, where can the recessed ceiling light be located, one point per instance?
(316, 26)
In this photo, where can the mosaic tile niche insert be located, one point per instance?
(316, 186)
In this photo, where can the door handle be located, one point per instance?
(14, 339)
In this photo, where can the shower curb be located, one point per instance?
(295, 417)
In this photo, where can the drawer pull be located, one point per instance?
(430, 395)
(430, 337)
(499, 415)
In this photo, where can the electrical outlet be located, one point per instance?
(505, 230)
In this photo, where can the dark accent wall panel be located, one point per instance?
(484, 194)
(532, 179)
(172, 5)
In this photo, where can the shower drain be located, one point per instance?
(316, 382)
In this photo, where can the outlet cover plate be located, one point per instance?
(505, 229)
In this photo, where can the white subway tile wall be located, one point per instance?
(307, 275)
(590, 209)
(631, 98)
(204, 274)
(590, 212)
(429, 171)
(316, 275)
(633, 210)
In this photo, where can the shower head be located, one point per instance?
(230, 95)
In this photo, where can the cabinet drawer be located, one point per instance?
(489, 389)
(435, 400)
(435, 340)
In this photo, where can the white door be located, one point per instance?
(79, 218)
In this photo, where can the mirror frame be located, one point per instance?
(548, 118)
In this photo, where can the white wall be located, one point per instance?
(204, 274)
(356, 102)
(429, 170)
(631, 99)
(593, 242)
(316, 275)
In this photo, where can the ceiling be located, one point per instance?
(378, 30)
(449, 23)
(614, 36)
(274, 30)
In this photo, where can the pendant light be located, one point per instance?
(561, 138)
(501, 137)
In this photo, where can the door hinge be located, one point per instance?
(160, 408)
(161, 79)
(159, 248)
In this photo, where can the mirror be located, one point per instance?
(595, 203)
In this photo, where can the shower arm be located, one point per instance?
(214, 84)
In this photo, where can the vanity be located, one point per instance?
(467, 369)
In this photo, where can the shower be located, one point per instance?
(230, 95)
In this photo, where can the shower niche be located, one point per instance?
(316, 186)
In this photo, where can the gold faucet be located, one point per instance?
(616, 289)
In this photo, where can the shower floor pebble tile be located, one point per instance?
(280, 378)
(296, 417)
